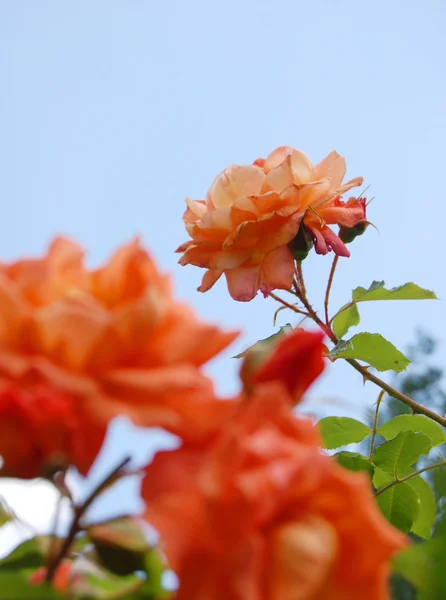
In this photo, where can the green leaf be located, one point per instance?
(27, 555)
(377, 291)
(400, 505)
(416, 423)
(354, 462)
(373, 349)
(424, 565)
(6, 515)
(348, 315)
(14, 585)
(267, 344)
(340, 431)
(120, 544)
(397, 455)
(96, 582)
(345, 319)
(424, 522)
(422, 525)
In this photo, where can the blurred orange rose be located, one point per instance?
(252, 212)
(263, 514)
(296, 359)
(112, 340)
(43, 430)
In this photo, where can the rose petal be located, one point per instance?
(238, 181)
(243, 283)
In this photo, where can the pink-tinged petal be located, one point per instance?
(332, 167)
(356, 182)
(277, 271)
(238, 181)
(196, 207)
(335, 243)
(319, 243)
(276, 157)
(326, 240)
(243, 283)
(346, 215)
(209, 278)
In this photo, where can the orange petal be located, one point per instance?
(243, 283)
(175, 397)
(277, 156)
(345, 215)
(332, 167)
(196, 207)
(357, 181)
(125, 277)
(209, 278)
(296, 361)
(302, 554)
(238, 181)
(70, 331)
(277, 270)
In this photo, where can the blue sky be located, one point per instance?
(111, 113)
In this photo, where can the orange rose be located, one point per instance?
(113, 341)
(42, 430)
(252, 212)
(296, 360)
(263, 514)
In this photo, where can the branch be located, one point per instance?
(327, 293)
(79, 511)
(375, 424)
(406, 477)
(416, 408)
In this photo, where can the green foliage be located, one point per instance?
(27, 555)
(415, 423)
(17, 568)
(345, 319)
(373, 349)
(120, 544)
(397, 455)
(96, 582)
(400, 505)
(266, 345)
(355, 462)
(5, 513)
(340, 431)
(377, 291)
(348, 315)
(424, 565)
(423, 524)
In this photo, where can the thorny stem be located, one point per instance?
(327, 293)
(416, 408)
(375, 423)
(79, 511)
(406, 477)
(288, 305)
(300, 279)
